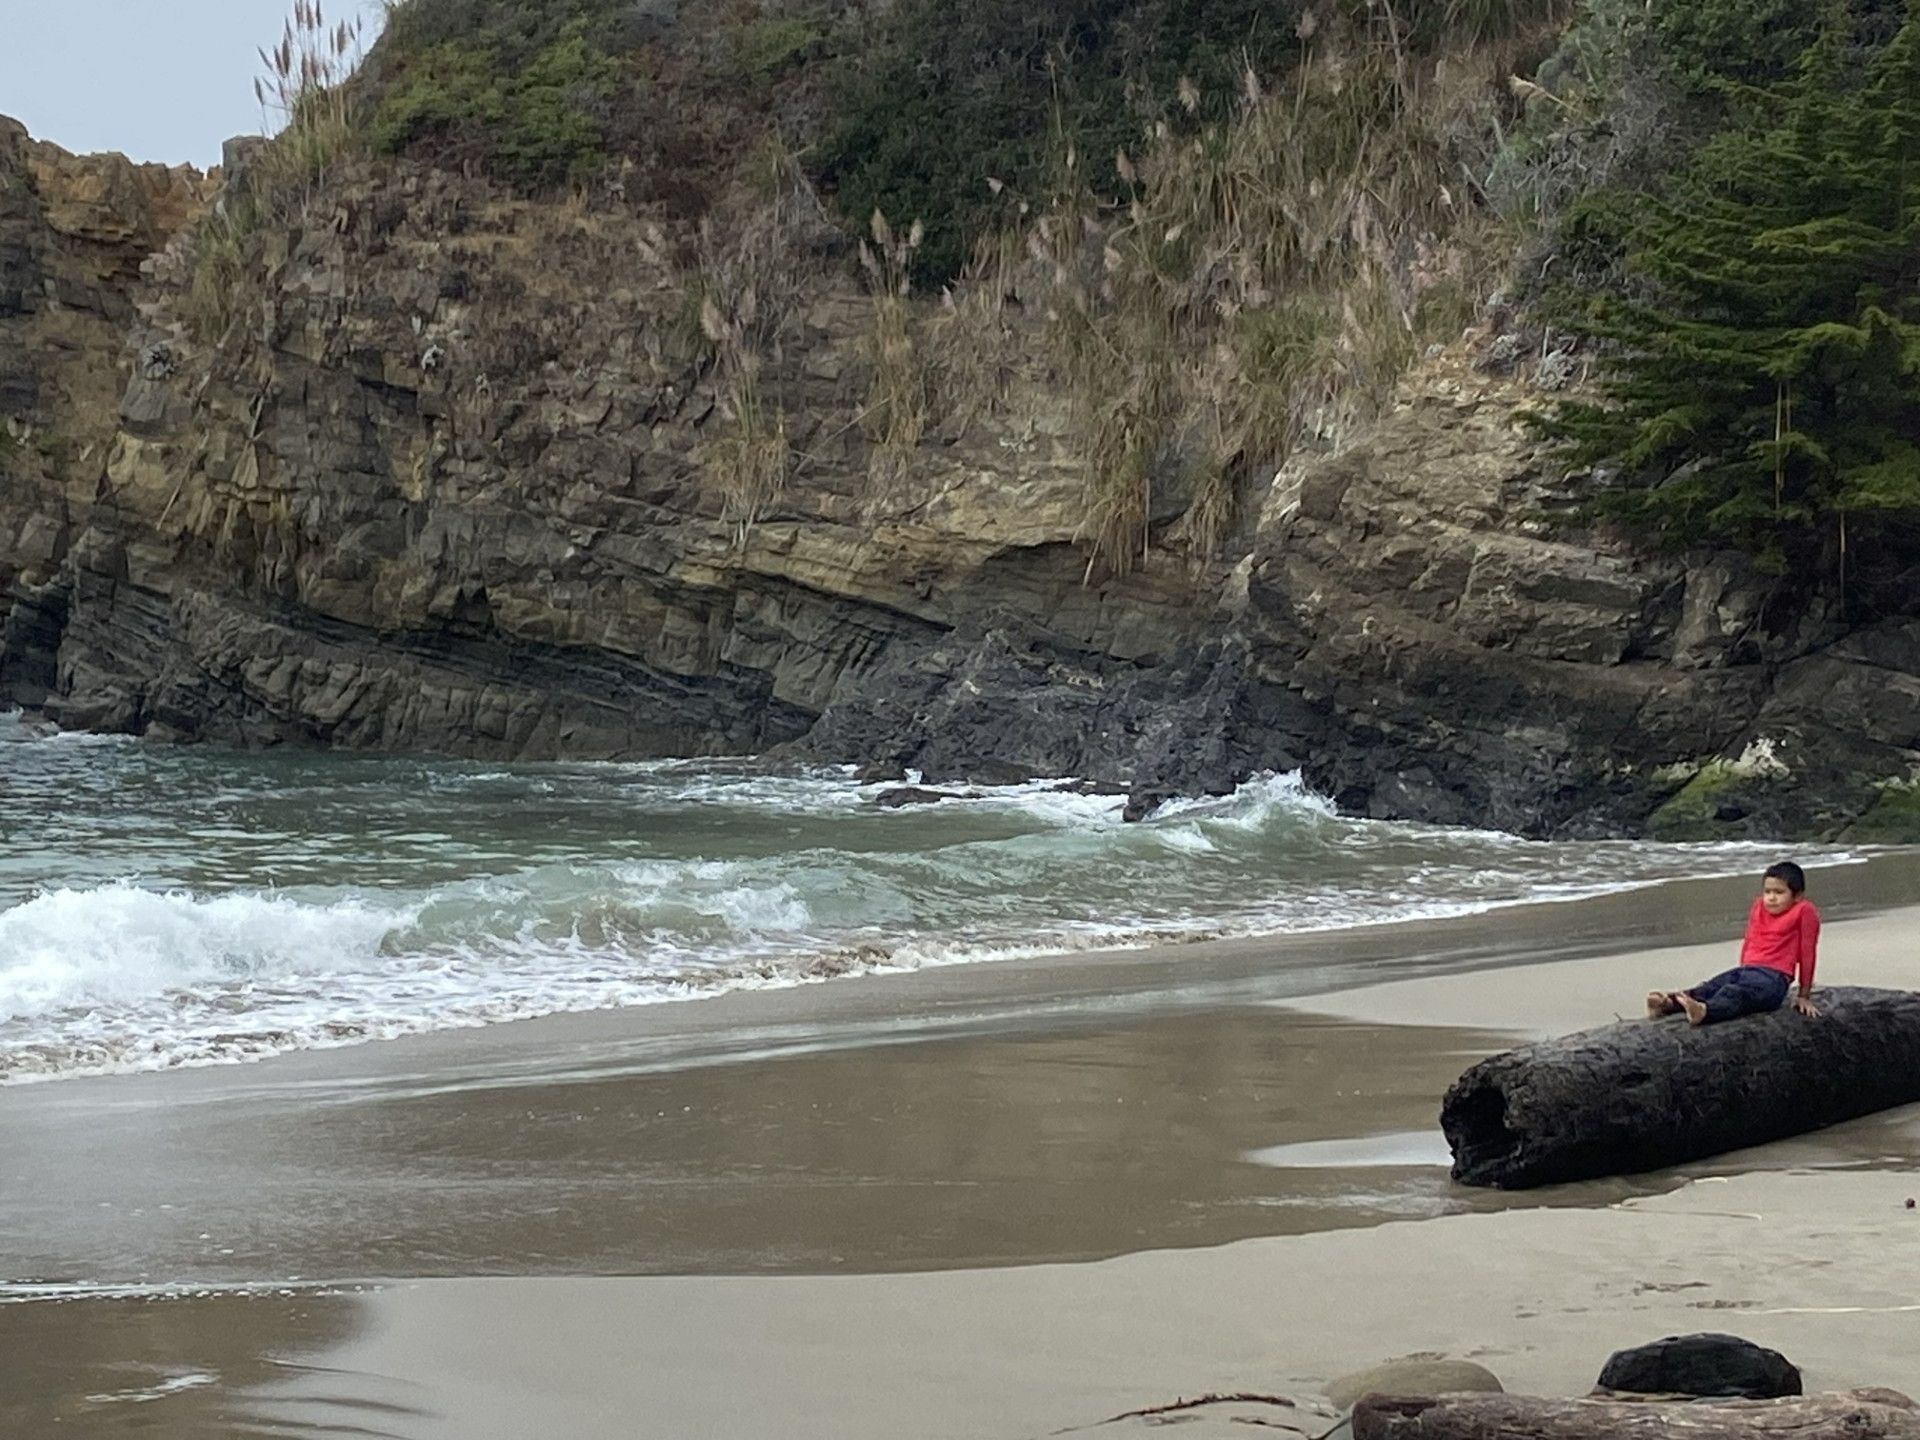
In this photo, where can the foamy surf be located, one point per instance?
(164, 907)
(118, 945)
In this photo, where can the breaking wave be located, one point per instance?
(166, 907)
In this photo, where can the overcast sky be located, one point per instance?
(158, 79)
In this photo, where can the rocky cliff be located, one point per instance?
(446, 481)
(73, 236)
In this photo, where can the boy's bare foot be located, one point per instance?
(1696, 1012)
(1660, 1004)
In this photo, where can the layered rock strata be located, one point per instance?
(448, 480)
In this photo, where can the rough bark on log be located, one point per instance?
(1845, 1415)
(1643, 1094)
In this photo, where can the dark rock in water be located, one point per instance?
(1645, 1094)
(881, 772)
(1706, 1364)
(1004, 706)
(1088, 787)
(1142, 803)
(908, 795)
(1415, 1375)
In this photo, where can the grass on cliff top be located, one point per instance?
(308, 101)
(1222, 290)
(660, 101)
(519, 90)
(1248, 215)
(543, 123)
(1262, 281)
(915, 108)
(939, 100)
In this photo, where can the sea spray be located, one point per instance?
(120, 945)
(164, 906)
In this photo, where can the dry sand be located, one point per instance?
(1825, 1267)
(1807, 1246)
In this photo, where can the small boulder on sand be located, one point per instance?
(1412, 1375)
(1706, 1364)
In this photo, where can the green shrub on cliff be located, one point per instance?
(1629, 93)
(1766, 391)
(936, 100)
(524, 91)
(766, 46)
(943, 99)
(514, 30)
(1714, 44)
(677, 95)
(542, 122)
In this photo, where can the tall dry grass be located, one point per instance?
(1262, 283)
(970, 340)
(897, 397)
(746, 284)
(306, 101)
(749, 461)
(217, 283)
(306, 106)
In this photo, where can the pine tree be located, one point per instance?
(1766, 391)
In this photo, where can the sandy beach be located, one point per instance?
(1000, 1202)
(835, 719)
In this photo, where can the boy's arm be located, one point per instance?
(1805, 956)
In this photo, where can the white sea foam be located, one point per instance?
(1254, 805)
(286, 902)
(1188, 837)
(1051, 802)
(118, 944)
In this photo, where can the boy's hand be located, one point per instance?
(1804, 1004)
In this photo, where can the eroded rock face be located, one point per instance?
(448, 481)
(1490, 671)
(456, 494)
(74, 233)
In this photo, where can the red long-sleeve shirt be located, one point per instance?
(1785, 942)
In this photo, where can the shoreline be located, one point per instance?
(1031, 992)
(1049, 1194)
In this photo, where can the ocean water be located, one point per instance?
(163, 906)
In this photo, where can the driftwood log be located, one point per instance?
(1644, 1094)
(1845, 1415)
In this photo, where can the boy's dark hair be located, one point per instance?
(1786, 870)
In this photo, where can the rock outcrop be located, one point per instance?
(447, 479)
(74, 233)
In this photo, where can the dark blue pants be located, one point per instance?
(1745, 990)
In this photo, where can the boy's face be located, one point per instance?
(1775, 895)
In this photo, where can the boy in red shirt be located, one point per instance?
(1783, 931)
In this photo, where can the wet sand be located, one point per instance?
(1823, 1267)
(981, 1150)
(844, 1210)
